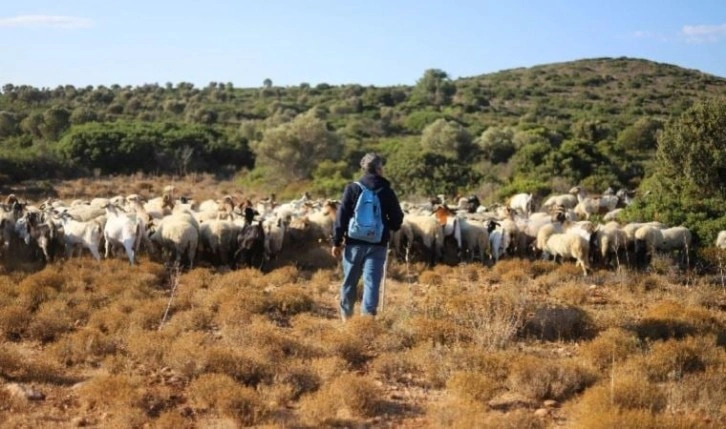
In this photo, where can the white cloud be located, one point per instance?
(45, 21)
(704, 33)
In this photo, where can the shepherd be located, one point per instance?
(369, 211)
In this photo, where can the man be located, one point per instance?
(362, 257)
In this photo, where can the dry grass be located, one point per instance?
(611, 347)
(346, 397)
(541, 379)
(218, 393)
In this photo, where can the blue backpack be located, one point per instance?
(367, 221)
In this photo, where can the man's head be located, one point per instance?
(371, 163)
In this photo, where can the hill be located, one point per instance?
(600, 115)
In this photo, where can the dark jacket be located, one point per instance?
(390, 208)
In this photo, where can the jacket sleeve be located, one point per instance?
(395, 214)
(345, 212)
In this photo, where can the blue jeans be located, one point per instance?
(367, 260)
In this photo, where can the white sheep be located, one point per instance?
(122, 229)
(677, 238)
(219, 237)
(80, 234)
(178, 236)
(647, 239)
(610, 242)
(475, 236)
(721, 240)
(569, 245)
(521, 204)
(568, 201)
(429, 231)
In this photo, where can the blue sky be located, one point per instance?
(372, 42)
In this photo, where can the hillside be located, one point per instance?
(603, 114)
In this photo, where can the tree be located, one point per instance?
(691, 154)
(434, 88)
(496, 144)
(449, 139)
(688, 178)
(8, 124)
(267, 83)
(295, 148)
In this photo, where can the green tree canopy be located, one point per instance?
(295, 148)
(449, 139)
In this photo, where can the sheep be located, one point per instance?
(612, 215)
(122, 229)
(274, 236)
(402, 241)
(569, 245)
(176, 235)
(498, 239)
(474, 236)
(609, 241)
(427, 230)
(568, 201)
(80, 234)
(647, 239)
(676, 238)
(220, 238)
(593, 204)
(721, 240)
(521, 204)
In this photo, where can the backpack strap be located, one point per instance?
(363, 187)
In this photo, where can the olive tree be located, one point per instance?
(295, 148)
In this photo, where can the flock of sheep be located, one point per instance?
(562, 228)
(242, 233)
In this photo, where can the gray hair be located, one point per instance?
(371, 162)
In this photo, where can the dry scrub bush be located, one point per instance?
(195, 319)
(17, 366)
(392, 367)
(109, 320)
(624, 390)
(14, 321)
(348, 396)
(244, 366)
(435, 364)
(640, 419)
(559, 323)
(49, 321)
(298, 378)
(148, 346)
(188, 354)
(270, 342)
(221, 394)
(473, 386)
(541, 379)
(430, 278)
(246, 279)
(454, 413)
(290, 300)
(328, 367)
(111, 392)
(286, 275)
(612, 346)
(571, 293)
(671, 319)
(147, 314)
(673, 359)
(702, 391)
(85, 346)
(38, 288)
(171, 419)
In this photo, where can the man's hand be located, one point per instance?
(336, 251)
